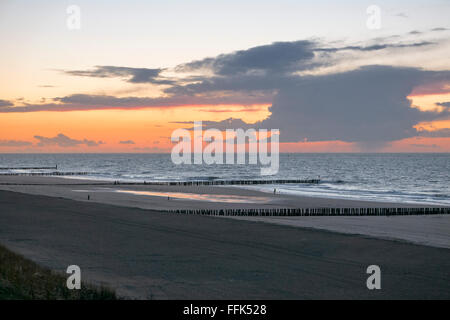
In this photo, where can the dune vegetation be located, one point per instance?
(22, 279)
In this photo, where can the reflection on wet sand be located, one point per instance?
(200, 197)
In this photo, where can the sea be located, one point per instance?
(401, 177)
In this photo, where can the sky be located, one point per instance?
(121, 76)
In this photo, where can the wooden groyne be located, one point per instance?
(169, 183)
(283, 212)
(56, 173)
(29, 168)
(150, 183)
(230, 182)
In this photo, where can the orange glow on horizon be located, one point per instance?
(429, 102)
(149, 128)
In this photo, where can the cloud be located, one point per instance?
(133, 75)
(257, 85)
(439, 29)
(98, 102)
(266, 69)
(440, 133)
(279, 57)
(273, 58)
(438, 86)
(127, 142)
(5, 103)
(444, 104)
(401, 15)
(367, 105)
(382, 46)
(230, 123)
(420, 145)
(14, 143)
(150, 149)
(218, 110)
(64, 141)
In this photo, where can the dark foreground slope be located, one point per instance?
(22, 279)
(147, 254)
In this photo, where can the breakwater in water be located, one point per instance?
(164, 183)
(30, 168)
(232, 182)
(56, 173)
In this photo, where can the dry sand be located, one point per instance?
(431, 230)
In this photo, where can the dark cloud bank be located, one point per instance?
(364, 105)
(127, 142)
(59, 140)
(5, 103)
(14, 143)
(368, 104)
(133, 75)
(64, 141)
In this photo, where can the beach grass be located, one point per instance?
(22, 279)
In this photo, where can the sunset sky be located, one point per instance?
(134, 71)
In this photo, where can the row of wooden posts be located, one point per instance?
(231, 182)
(315, 211)
(170, 183)
(29, 168)
(165, 183)
(56, 173)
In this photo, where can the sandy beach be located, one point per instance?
(118, 239)
(431, 230)
(151, 255)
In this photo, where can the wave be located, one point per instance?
(202, 178)
(338, 181)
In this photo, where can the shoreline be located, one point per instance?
(134, 195)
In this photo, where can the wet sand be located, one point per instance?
(152, 255)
